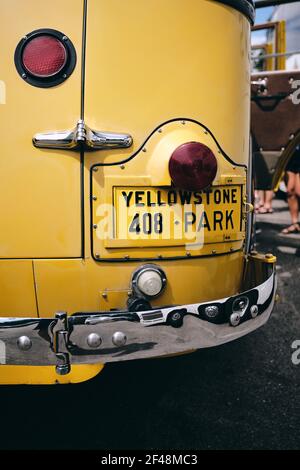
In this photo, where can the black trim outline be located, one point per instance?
(243, 6)
(82, 102)
(82, 204)
(62, 75)
(35, 289)
(163, 258)
(126, 160)
(83, 58)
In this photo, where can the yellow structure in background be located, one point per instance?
(274, 49)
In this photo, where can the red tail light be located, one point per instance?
(44, 56)
(192, 166)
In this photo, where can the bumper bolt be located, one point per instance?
(94, 340)
(63, 369)
(211, 311)
(234, 319)
(254, 311)
(119, 338)
(24, 343)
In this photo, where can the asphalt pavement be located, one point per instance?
(243, 395)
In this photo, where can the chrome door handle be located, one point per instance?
(81, 138)
(96, 140)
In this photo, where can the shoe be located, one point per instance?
(264, 210)
(293, 228)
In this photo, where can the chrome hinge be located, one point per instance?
(81, 138)
(60, 341)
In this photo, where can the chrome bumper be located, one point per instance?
(101, 337)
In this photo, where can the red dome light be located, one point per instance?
(44, 56)
(192, 166)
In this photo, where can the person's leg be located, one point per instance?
(297, 184)
(297, 191)
(257, 199)
(292, 197)
(268, 201)
(292, 185)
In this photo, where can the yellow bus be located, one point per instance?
(126, 208)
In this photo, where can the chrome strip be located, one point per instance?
(64, 341)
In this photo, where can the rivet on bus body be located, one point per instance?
(127, 257)
(213, 252)
(97, 255)
(94, 198)
(24, 343)
(231, 248)
(122, 167)
(188, 254)
(95, 226)
(234, 168)
(94, 340)
(144, 149)
(65, 38)
(160, 131)
(183, 123)
(65, 75)
(95, 169)
(24, 75)
(205, 132)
